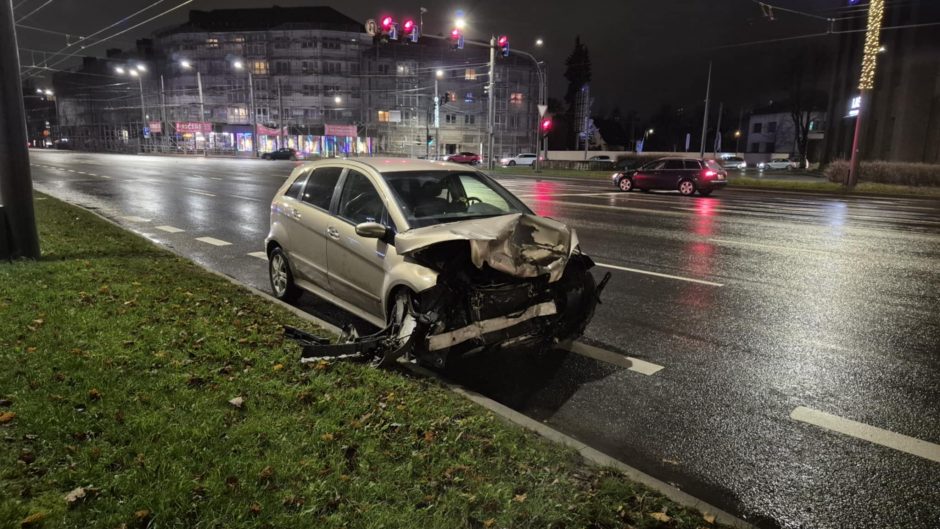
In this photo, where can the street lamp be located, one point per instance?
(737, 141)
(120, 70)
(337, 100)
(539, 42)
(460, 23)
(186, 65)
(240, 65)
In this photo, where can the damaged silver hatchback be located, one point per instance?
(439, 256)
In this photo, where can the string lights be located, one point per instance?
(876, 11)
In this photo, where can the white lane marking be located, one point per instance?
(549, 196)
(108, 177)
(215, 177)
(92, 174)
(259, 255)
(70, 170)
(872, 434)
(214, 242)
(198, 192)
(771, 246)
(135, 219)
(82, 172)
(247, 198)
(657, 274)
(170, 229)
(628, 362)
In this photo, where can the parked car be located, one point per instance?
(734, 162)
(777, 164)
(600, 158)
(439, 255)
(465, 157)
(281, 154)
(520, 159)
(685, 175)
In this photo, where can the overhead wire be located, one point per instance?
(34, 11)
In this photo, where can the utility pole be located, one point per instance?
(721, 107)
(708, 91)
(491, 117)
(437, 117)
(254, 114)
(202, 104)
(16, 187)
(280, 116)
(163, 122)
(866, 80)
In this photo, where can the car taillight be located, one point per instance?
(710, 174)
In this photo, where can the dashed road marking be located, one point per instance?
(103, 176)
(198, 192)
(770, 246)
(132, 218)
(212, 241)
(215, 177)
(247, 198)
(170, 229)
(657, 274)
(628, 362)
(872, 434)
(259, 255)
(82, 172)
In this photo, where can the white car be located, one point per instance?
(777, 163)
(734, 162)
(526, 158)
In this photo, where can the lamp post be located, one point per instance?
(239, 65)
(866, 80)
(50, 96)
(437, 114)
(187, 65)
(543, 93)
(137, 72)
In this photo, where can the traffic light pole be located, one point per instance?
(491, 116)
(20, 239)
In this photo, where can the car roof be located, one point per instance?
(384, 164)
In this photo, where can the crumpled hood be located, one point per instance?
(517, 244)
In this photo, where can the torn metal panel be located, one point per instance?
(519, 245)
(479, 328)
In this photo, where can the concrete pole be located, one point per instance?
(721, 107)
(437, 119)
(491, 117)
(254, 114)
(280, 116)
(202, 104)
(16, 187)
(852, 177)
(162, 112)
(708, 91)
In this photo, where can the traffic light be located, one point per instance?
(446, 98)
(503, 43)
(456, 39)
(390, 28)
(410, 30)
(546, 125)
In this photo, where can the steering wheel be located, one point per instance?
(471, 200)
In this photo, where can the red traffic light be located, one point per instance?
(503, 41)
(408, 26)
(455, 33)
(546, 124)
(387, 23)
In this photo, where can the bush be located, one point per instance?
(899, 173)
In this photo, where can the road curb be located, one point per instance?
(512, 416)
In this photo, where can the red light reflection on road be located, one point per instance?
(544, 202)
(699, 255)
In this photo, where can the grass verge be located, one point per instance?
(120, 359)
(863, 188)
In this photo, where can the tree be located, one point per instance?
(805, 98)
(577, 71)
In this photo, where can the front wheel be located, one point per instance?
(511, 163)
(686, 188)
(282, 280)
(625, 184)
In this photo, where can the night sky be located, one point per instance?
(645, 53)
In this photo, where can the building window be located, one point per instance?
(383, 69)
(354, 68)
(468, 119)
(311, 113)
(772, 126)
(383, 116)
(331, 44)
(758, 127)
(450, 118)
(470, 74)
(281, 43)
(259, 67)
(261, 85)
(311, 90)
(282, 67)
(255, 48)
(769, 147)
(212, 43)
(335, 68)
(308, 43)
(331, 89)
(755, 147)
(238, 39)
(516, 98)
(308, 67)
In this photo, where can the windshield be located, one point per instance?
(436, 197)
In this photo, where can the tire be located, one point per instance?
(704, 192)
(625, 184)
(686, 188)
(511, 163)
(281, 277)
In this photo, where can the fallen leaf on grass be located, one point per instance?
(327, 437)
(278, 367)
(489, 523)
(519, 498)
(142, 515)
(670, 461)
(255, 508)
(237, 402)
(7, 416)
(75, 495)
(94, 394)
(33, 520)
(266, 473)
(660, 516)
(710, 518)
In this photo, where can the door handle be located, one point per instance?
(332, 232)
(295, 214)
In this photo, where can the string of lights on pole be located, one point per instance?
(872, 45)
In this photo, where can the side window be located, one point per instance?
(674, 164)
(297, 187)
(360, 202)
(692, 164)
(320, 186)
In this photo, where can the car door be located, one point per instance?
(309, 221)
(357, 264)
(645, 176)
(668, 177)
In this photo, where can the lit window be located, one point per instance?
(470, 74)
(212, 43)
(383, 116)
(259, 67)
(516, 97)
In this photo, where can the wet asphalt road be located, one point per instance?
(753, 304)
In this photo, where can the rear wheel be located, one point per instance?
(625, 183)
(282, 280)
(686, 188)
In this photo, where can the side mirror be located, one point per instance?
(372, 230)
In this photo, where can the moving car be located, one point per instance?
(439, 255)
(280, 154)
(734, 162)
(520, 159)
(777, 163)
(601, 158)
(685, 175)
(465, 157)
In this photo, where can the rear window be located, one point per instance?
(320, 186)
(692, 164)
(297, 187)
(713, 165)
(674, 164)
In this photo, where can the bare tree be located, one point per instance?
(805, 96)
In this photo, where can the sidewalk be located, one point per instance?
(142, 390)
